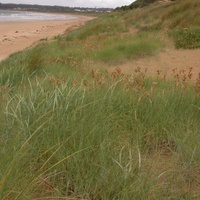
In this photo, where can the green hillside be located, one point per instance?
(181, 18)
(74, 126)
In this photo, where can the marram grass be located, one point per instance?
(100, 137)
(71, 133)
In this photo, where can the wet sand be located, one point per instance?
(17, 36)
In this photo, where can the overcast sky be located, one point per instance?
(74, 3)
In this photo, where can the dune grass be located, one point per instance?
(65, 57)
(111, 24)
(179, 13)
(178, 17)
(72, 131)
(100, 137)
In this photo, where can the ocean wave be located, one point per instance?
(31, 16)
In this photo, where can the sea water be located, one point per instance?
(6, 15)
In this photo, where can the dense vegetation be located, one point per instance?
(73, 129)
(137, 4)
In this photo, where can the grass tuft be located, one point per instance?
(35, 60)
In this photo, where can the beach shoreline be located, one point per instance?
(18, 35)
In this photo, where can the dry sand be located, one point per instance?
(17, 36)
(166, 61)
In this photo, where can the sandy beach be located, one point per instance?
(17, 36)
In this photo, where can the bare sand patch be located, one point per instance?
(166, 61)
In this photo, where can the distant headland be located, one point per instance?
(57, 9)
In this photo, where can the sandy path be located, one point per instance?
(16, 36)
(166, 61)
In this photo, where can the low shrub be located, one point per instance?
(188, 38)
